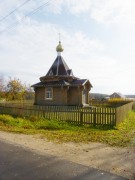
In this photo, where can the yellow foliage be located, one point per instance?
(118, 100)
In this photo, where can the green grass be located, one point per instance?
(122, 135)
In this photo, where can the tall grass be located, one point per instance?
(122, 135)
(34, 122)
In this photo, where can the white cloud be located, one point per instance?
(6, 6)
(103, 11)
(27, 51)
(73, 6)
(30, 49)
(58, 6)
(80, 44)
(80, 6)
(110, 11)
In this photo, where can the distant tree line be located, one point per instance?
(14, 89)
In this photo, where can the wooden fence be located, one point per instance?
(72, 114)
(122, 111)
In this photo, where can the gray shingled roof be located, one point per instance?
(51, 83)
(59, 67)
(61, 83)
(60, 70)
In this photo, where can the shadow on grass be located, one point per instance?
(75, 127)
(104, 127)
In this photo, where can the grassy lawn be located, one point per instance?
(122, 135)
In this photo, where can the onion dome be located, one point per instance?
(59, 48)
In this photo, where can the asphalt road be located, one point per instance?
(17, 163)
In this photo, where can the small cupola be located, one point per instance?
(59, 49)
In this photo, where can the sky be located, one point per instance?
(98, 37)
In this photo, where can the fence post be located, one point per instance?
(81, 117)
(94, 117)
(43, 112)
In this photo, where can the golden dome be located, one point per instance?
(59, 48)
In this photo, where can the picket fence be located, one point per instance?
(73, 114)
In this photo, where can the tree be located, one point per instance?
(15, 89)
(2, 87)
(29, 93)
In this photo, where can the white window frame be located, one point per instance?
(48, 93)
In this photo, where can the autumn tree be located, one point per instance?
(15, 89)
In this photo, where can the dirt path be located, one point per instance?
(120, 161)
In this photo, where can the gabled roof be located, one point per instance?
(117, 94)
(80, 82)
(59, 67)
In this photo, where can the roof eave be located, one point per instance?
(87, 80)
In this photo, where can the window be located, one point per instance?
(49, 93)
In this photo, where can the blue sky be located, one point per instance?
(97, 35)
